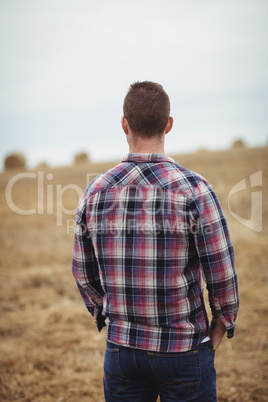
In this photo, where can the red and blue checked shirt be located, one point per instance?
(147, 232)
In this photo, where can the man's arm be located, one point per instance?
(217, 333)
(85, 268)
(216, 256)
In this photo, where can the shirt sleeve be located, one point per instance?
(216, 255)
(85, 268)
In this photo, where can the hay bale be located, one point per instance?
(41, 166)
(201, 151)
(15, 161)
(238, 144)
(81, 158)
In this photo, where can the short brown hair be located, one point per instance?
(146, 108)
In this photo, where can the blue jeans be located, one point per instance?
(134, 375)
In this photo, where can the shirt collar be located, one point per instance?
(141, 157)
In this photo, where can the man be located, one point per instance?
(147, 232)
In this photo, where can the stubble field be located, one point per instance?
(50, 349)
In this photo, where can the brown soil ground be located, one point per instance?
(50, 349)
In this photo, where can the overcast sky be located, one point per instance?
(66, 66)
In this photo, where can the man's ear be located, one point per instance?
(169, 125)
(125, 125)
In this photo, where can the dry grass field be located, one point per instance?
(50, 349)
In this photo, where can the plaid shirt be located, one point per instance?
(147, 232)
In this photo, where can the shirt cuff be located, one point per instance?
(100, 321)
(230, 332)
(230, 329)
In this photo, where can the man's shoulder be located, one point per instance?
(184, 178)
(193, 177)
(101, 182)
(107, 179)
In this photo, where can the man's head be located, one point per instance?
(146, 109)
